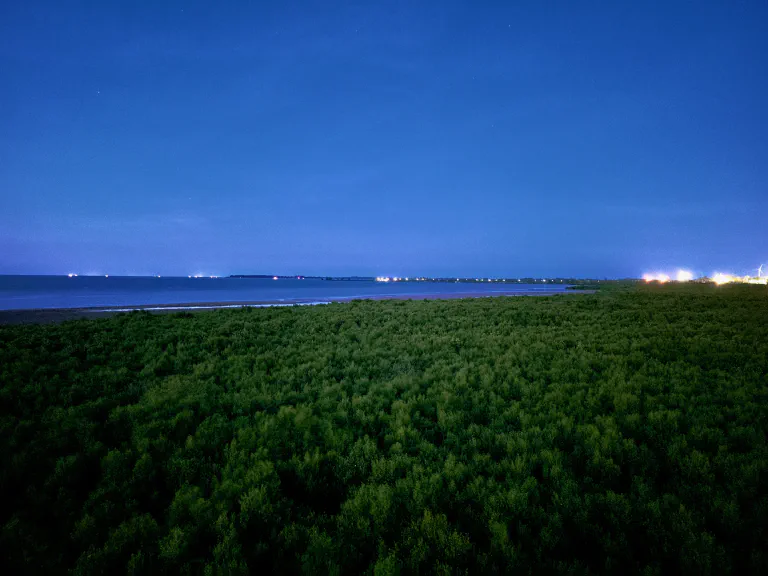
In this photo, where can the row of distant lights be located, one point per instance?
(681, 276)
(399, 279)
(687, 276)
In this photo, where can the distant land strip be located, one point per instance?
(478, 279)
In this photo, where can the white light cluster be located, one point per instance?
(681, 276)
(661, 278)
(718, 278)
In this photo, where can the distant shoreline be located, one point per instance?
(47, 315)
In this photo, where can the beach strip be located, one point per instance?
(46, 315)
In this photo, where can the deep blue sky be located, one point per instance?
(400, 138)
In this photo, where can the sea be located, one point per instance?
(46, 292)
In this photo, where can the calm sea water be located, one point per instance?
(26, 292)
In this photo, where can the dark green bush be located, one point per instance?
(622, 432)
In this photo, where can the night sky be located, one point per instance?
(394, 138)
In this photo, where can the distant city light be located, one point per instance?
(274, 277)
(660, 278)
(720, 278)
(684, 276)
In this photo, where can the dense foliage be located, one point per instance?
(621, 432)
